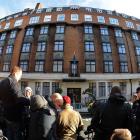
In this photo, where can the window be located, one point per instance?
(89, 46)
(102, 89)
(109, 85)
(88, 18)
(123, 67)
(137, 50)
(41, 46)
(39, 66)
(129, 24)
(74, 17)
(59, 46)
(55, 86)
(9, 49)
(3, 36)
(121, 48)
(101, 19)
(60, 17)
(109, 12)
(38, 11)
(46, 89)
(34, 20)
(138, 26)
(104, 30)
(123, 87)
(57, 66)
(6, 66)
(134, 35)
(118, 32)
(18, 22)
(99, 10)
(37, 88)
(92, 86)
(106, 47)
(47, 18)
(59, 29)
(7, 25)
(58, 9)
(108, 66)
(114, 21)
(13, 34)
(88, 29)
(24, 84)
(88, 9)
(90, 66)
(29, 31)
(26, 47)
(48, 9)
(24, 65)
(44, 30)
(1, 49)
(138, 68)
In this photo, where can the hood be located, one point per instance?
(117, 98)
(38, 102)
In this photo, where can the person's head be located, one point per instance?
(16, 72)
(57, 100)
(66, 100)
(28, 92)
(38, 102)
(138, 92)
(134, 97)
(121, 134)
(115, 89)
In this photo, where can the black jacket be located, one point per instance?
(41, 123)
(13, 101)
(115, 113)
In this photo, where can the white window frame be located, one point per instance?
(7, 25)
(61, 17)
(74, 7)
(34, 19)
(129, 24)
(39, 11)
(18, 22)
(49, 10)
(109, 12)
(74, 17)
(47, 18)
(88, 17)
(101, 19)
(134, 36)
(114, 21)
(138, 26)
(99, 10)
(58, 9)
(88, 9)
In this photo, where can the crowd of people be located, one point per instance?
(25, 116)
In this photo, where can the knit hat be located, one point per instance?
(28, 89)
(66, 100)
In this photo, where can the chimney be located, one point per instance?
(38, 6)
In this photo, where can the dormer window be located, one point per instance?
(89, 9)
(58, 9)
(38, 11)
(124, 15)
(49, 10)
(74, 7)
(109, 12)
(99, 11)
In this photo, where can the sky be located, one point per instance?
(129, 7)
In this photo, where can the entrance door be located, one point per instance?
(75, 95)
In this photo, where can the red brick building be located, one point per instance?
(72, 48)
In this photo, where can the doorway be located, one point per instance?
(75, 95)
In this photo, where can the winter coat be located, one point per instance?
(69, 122)
(115, 113)
(13, 100)
(42, 118)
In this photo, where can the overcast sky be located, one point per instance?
(129, 7)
